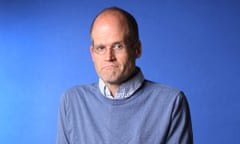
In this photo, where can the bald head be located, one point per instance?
(121, 19)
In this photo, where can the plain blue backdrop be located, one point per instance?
(190, 45)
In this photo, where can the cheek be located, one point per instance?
(126, 61)
(97, 63)
(95, 58)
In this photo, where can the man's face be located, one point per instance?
(114, 61)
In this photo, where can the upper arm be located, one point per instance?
(63, 125)
(181, 126)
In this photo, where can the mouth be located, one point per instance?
(109, 67)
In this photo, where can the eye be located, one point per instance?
(117, 46)
(99, 48)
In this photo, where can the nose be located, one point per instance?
(110, 55)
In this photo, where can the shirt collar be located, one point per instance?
(126, 89)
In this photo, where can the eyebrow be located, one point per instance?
(119, 42)
(114, 43)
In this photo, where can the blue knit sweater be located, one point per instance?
(155, 114)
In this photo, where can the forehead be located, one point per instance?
(111, 16)
(109, 25)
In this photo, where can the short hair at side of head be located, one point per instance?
(132, 37)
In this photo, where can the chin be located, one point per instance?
(112, 81)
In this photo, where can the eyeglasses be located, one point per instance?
(116, 48)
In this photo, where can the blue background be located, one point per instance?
(44, 50)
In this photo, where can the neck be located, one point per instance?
(113, 87)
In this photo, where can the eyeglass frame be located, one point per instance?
(116, 47)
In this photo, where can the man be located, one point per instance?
(123, 107)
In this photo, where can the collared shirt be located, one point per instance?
(126, 89)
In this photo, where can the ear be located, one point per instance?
(91, 52)
(138, 49)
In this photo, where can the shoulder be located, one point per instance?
(79, 92)
(163, 92)
(161, 88)
(81, 89)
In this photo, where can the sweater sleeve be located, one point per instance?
(63, 132)
(181, 127)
